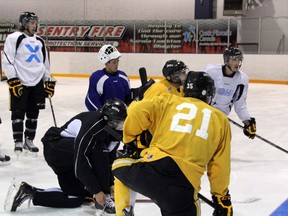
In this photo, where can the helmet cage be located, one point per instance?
(107, 53)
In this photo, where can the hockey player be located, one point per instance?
(108, 82)
(232, 87)
(188, 137)
(26, 66)
(174, 72)
(80, 153)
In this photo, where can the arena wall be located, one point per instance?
(259, 68)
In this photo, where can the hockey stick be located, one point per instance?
(260, 137)
(206, 200)
(203, 198)
(52, 109)
(143, 75)
(244, 201)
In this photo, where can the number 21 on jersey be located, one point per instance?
(187, 128)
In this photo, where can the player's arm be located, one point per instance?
(219, 173)
(82, 166)
(138, 119)
(240, 107)
(8, 60)
(93, 99)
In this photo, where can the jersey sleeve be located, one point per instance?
(240, 104)
(82, 168)
(93, 99)
(47, 74)
(8, 60)
(218, 169)
(138, 119)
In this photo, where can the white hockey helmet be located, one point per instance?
(108, 52)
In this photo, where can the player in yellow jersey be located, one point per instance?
(174, 72)
(189, 137)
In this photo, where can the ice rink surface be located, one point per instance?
(259, 174)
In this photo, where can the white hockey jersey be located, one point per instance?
(229, 91)
(25, 57)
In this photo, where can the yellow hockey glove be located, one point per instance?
(50, 88)
(223, 205)
(15, 87)
(250, 129)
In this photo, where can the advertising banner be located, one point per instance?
(153, 36)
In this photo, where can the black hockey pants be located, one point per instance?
(163, 182)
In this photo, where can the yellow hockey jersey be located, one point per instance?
(163, 86)
(193, 133)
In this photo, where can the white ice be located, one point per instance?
(259, 170)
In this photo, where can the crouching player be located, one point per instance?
(188, 137)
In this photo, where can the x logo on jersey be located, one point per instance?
(32, 50)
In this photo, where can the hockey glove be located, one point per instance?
(130, 150)
(15, 87)
(223, 205)
(250, 129)
(49, 88)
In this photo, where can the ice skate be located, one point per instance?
(18, 148)
(30, 148)
(108, 209)
(4, 159)
(18, 193)
(128, 211)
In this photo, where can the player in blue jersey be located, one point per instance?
(108, 82)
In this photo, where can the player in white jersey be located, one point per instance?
(26, 66)
(231, 88)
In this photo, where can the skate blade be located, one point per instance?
(12, 191)
(29, 153)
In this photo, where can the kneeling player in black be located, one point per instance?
(80, 153)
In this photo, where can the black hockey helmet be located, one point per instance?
(114, 110)
(171, 67)
(24, 19)
(199, 85)
(231, 52)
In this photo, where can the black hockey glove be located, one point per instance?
(15, 87)
(137, 94)
(50, 88)
(223, 205)
(130, 150)
(250, 129)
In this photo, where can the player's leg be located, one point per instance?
(162, 181)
